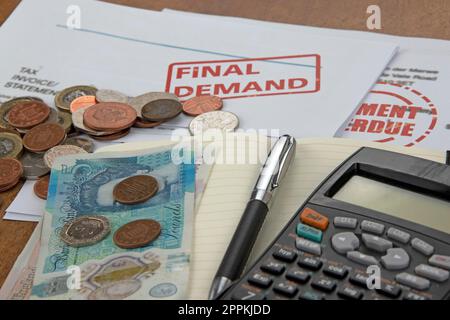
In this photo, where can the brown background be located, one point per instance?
(421, 18)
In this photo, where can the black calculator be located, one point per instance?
(377, 228)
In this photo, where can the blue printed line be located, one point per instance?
(106, 34)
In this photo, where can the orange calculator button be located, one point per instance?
(314, 219)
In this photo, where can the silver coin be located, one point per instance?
(104, 95)
(140, 101)
(84, 143)
(60, 151)
(33, 165)
(221, 120)
(85, 231)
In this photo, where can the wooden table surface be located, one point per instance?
(421, 18)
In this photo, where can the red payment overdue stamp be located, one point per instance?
(392, 112)
(240, 78)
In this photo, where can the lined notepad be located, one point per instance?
(229, 188)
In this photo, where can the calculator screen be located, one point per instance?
(398, 202)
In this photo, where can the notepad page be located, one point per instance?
(229, 189)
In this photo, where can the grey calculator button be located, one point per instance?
(362, 258)
(398, 235)
(345, 222)
(395, 259)
(440, 261)
(372, 227)
(344, 242)
(432, 273)
(376, 243)
(422, 246)
(308, 246)
(412, 281)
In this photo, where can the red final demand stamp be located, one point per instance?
(240, 78)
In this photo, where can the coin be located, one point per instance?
(202, 104)
(82, 102)
(43, 137)
(140, 101)
(222, 120)
(60, 151)
(104, 95)
(161, 110)
(109, 116)
(33, 165)
(28, 114)
(65, 120)
(113, 136)
(15, 132)
(77, 119)
(85, 231)
(10, 186)
(10, 171)
(7, 106)
(10, 145)
(146, 124)
(84, 143)
(135, 189)
(136, 234)
(64, 98)
(41, 187)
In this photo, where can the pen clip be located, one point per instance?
(285, 157)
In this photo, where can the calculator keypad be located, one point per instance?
(316, 260)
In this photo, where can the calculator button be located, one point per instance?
(309, 295)
(337, 272)
(309, 263)
(274, 296)
(308, 232)
(260, 280)
(274, 268)
(390, 291)
(285, 289)
(432, 273)
(350, 293)
(376, 243)
(284, 255)
(298, 276)
(414, 296)
(313, 218)
(323, 284)
(398, 235)
(440, 261)
(361, 258)
(423, 247)
(395, 259)
(345, 222)
(360, 280)
(244, 294)
(344, 242)
(412, 281)
(308, 246)
(372, 227)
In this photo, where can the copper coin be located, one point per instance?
(137, 234)
(10, 171)
(135, 189)
(41, 187)
(202, 104)
(28, 114)
(10, 186)
(43, 137)
(82, 102)
(161, 110)
(113, 136)
(109, 116)
(146, 124)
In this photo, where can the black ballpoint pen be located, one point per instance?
(239, 249)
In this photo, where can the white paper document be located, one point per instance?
(272, 78)
(411, 107)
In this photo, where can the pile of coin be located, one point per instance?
(89, 230)
(10, 173)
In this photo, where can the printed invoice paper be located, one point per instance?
(301, 83)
